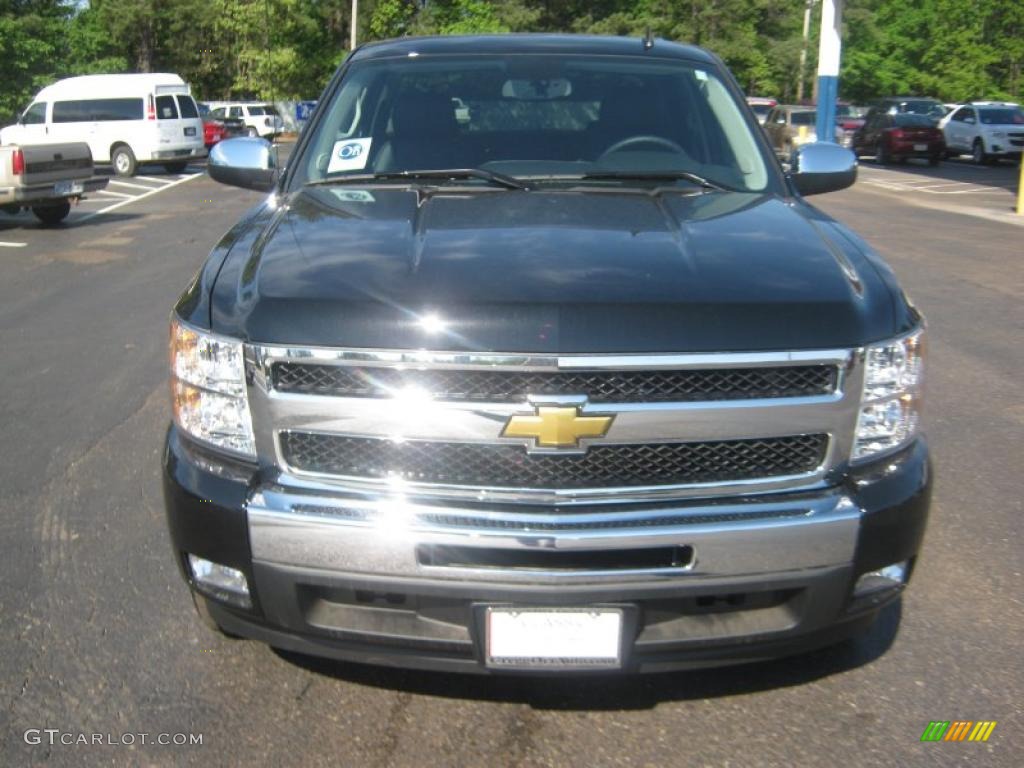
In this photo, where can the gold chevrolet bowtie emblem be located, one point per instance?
(557, 426)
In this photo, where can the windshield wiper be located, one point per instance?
(500, 179)
(657, 176)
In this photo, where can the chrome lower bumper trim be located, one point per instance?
(381, 536)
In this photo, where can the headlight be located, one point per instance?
(208, 389)
(891, 400)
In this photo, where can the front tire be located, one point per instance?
(52, 215)
(978, 153)
(123, 160)
(882, 156)
(934, 159)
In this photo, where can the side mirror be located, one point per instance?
(243, 162)
(823, 167)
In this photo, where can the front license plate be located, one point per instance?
(63, 188)
(920, 147)
(546, 638)
(190, 130)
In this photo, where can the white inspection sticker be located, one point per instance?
(349, 155)
(353, 195)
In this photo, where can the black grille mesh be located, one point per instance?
(495, 465)
(646, 386)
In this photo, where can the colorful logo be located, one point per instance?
(350, 151)
(958, 730)
(555, 427)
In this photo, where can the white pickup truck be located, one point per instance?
(46, 178)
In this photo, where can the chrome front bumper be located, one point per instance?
(387, 536)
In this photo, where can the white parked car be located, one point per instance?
(987, 130)
(260, 119)
(125, 119)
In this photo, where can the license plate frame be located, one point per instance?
(920, 147)
(190, 130)
(553, 638)
(66, 188)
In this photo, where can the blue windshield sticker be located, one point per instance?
(349, 155)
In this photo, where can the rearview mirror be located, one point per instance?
(243, 162)
(822, 167)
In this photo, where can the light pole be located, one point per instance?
(828, 68)
(803, 50)
(355, 25)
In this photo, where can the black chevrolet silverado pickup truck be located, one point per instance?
(535, 359)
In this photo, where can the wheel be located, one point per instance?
(978, 152)
(882, 156)
(203, 612)
(51, 215)
(175, 167)
(252, 132)
(933, 160)
(123, 160)
(949, 154)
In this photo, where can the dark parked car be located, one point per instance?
(897, 137)
(536, 359)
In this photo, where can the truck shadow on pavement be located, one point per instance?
(615, 692)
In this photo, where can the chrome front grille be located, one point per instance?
(483, 385)
(431, 424)
(510, 466)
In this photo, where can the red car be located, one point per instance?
(896, 137)
(213, 131)
(216, 129)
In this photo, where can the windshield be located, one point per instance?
(848, 110)
(533, 116)
(920, 107)
(909, 119)
(803, 118)
(1005, 116)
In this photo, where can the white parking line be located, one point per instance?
(895, 180)
(140, 197)
(115, 194)
(133, 186)
(153, 178)
(12, 245)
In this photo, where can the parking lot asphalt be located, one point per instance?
(956, 185)
(119, 193)
(98, 632)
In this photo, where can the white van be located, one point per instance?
(125, 119)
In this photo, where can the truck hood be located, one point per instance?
(550, 271)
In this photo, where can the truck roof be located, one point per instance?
(86, 86)
(605, 45)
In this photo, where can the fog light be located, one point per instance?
(890, 577)
(220, 582)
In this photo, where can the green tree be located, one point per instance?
(33, 37)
